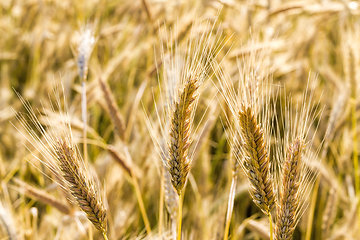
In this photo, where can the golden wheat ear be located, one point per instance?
(178, 162)
(81, 187)
(289, 199)
(256, 161)
(61, 156)
(294, 154)
(185, 69)
(248, 98)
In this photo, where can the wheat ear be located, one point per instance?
(256, 161)
(178, 162)
(81, 188)
(44, 197)
(289, 199)
(120, 160)
(115, 115)
(63, 159)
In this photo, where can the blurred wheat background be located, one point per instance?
(38, 52)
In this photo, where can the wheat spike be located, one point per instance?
(63, 159)
(115, 115)
(256, 161)
(81, 188)
(120, 160)
(178, 162)
(85, 42)
(289, 199)
(44, 197)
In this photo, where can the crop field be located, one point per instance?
(179, 119)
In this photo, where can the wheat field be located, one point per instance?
(160, 119)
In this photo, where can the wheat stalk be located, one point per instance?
(329, 213)
(230, 208)
(171, 201)
(120, 160)
(7, 223)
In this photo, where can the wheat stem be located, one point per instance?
(355, 146)
(141, 203)
(105, 236)
(91, 234)
(180, 216)
(84, 119)
(271, 226)
(161, 204)
(173, 228)
(312, 208)
(230, 206)
(138, 194)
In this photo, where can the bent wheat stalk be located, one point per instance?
(44, 197)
